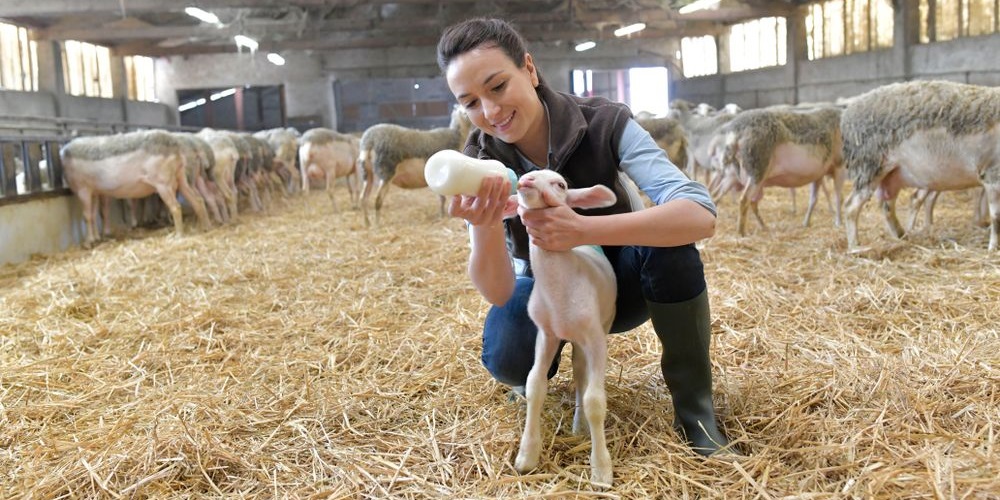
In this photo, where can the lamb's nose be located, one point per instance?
(526, 181)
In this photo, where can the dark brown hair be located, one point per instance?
(460, 38)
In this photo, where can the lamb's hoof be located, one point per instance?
(859, 250)
(523, 463)
(602, 476)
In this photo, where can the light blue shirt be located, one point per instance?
(648, 166)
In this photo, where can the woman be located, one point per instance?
(528, 126)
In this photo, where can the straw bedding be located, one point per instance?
(297, 354)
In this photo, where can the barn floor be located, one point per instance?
(297, 354)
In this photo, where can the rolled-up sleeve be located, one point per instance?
(653, 172)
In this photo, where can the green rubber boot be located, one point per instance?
(684, 329)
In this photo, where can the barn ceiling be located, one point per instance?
(161, 27)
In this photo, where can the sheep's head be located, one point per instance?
(546, 188)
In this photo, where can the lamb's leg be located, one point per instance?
(546, 347)
(595, 405)
(580, 382)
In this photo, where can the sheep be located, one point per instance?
(669, 134)
(573, 300)
(934, 135)
(131, 165)
(780, 147)
(927, 199)
(224, 168)
(704, 141)
(198, 162)
(285, 143)
(329, 155)
(397, 155)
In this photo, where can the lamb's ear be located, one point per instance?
(598, 196)
(510, 208)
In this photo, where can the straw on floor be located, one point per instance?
(297, 354)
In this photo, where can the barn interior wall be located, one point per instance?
(306, 86)
(21, 235)
(827, 79)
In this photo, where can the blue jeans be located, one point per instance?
(654, 274)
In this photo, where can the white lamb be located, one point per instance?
(573, 300)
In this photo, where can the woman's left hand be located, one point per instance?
(554, 228)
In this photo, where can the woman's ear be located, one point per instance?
(529, 64)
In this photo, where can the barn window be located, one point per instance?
(141, 74)
(18, 59)
(87, 69)
(757, 44)
(942, 20)
(840, 27)
(699, 56)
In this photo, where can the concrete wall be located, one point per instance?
(21, 234)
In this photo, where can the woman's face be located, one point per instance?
(498, 97)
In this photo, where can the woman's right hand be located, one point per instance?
(487, 207)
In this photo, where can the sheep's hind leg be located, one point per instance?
(546, 347)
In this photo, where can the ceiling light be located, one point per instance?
(628, 30)
(219, 95)
(191, 105)
(202, 15)
(276, 59)
(699, 5)
(585, 46)
(245, 41)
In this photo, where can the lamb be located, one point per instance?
(933, 135)
(781, 147)
(573, 300)
(397, 155)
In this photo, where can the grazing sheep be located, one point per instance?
(329, 155)
(573, 300)
(397, 155)
(780, 147)
(934, 135)
(224, 167)
(198, 168)
(132, 165)
(285, 143)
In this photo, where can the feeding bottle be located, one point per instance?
(449, 172)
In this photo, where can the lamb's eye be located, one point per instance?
(562, 185)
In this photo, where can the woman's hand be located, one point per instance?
(486, 208)
(556, 228)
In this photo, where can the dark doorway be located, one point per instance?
(234, 108)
